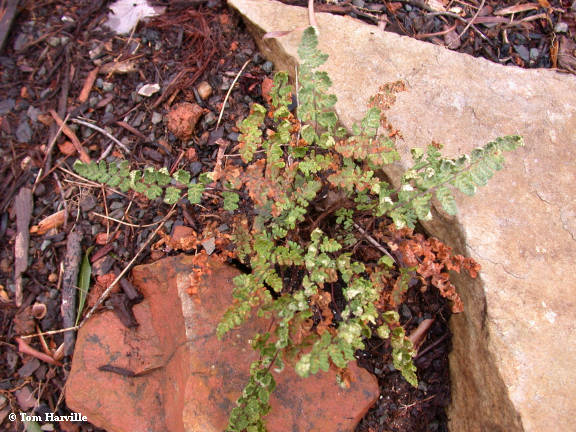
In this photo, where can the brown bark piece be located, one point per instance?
(23, 206)
(70, 287)
(7, 13)
(88, 84)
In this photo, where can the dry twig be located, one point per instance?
(102, 131)
(230, 91)
(373, 241)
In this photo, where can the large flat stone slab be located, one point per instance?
(172, 374)
(514, 347)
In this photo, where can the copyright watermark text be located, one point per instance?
(47, 417)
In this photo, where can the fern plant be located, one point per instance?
(151, 182)
(309, 183)
(306, 158)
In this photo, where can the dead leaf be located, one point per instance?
(436, 5)
(25, 398)
(67, 148)
(23, 321)
(452, 39)
(53, 221)
(544, 4)
(266, 86)
(120, 68)
(276, 34)
(103, 238)
(554, 53)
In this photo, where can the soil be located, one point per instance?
(54, 47)
(537, 34)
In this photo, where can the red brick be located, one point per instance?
(203, 376)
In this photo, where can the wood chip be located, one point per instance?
(70, 287)
(523, 7)
(88, 84)
(23, 206)
(53, 221)
(121, 67)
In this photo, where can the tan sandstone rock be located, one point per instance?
(172, 374)
(514, 347)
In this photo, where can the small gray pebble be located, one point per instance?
(268, 66)
(195, 168)
(233, 136)
(358, 3)
(6, 106)
(116, 205)
(138, 120)
(156, 118)
(534, 53)
(96, 52)
(209, 119)
(45, 244)
(107, 86)
(117, 214)
(86, 132)
(40, 190)
(405, 311)
(561, 27)
(93, 101)
(54, 41)
(257, 58)
(407, 7)
(88, 203)
(99, 83)
(108, 117)
(33, 114)
(24, 133)
(522, 52)
(20, 41)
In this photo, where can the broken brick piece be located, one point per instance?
(176, 375)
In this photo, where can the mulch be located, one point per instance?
(528, 34)
(53, 53)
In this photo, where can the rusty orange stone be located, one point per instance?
(182, 119)
(188, 380)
